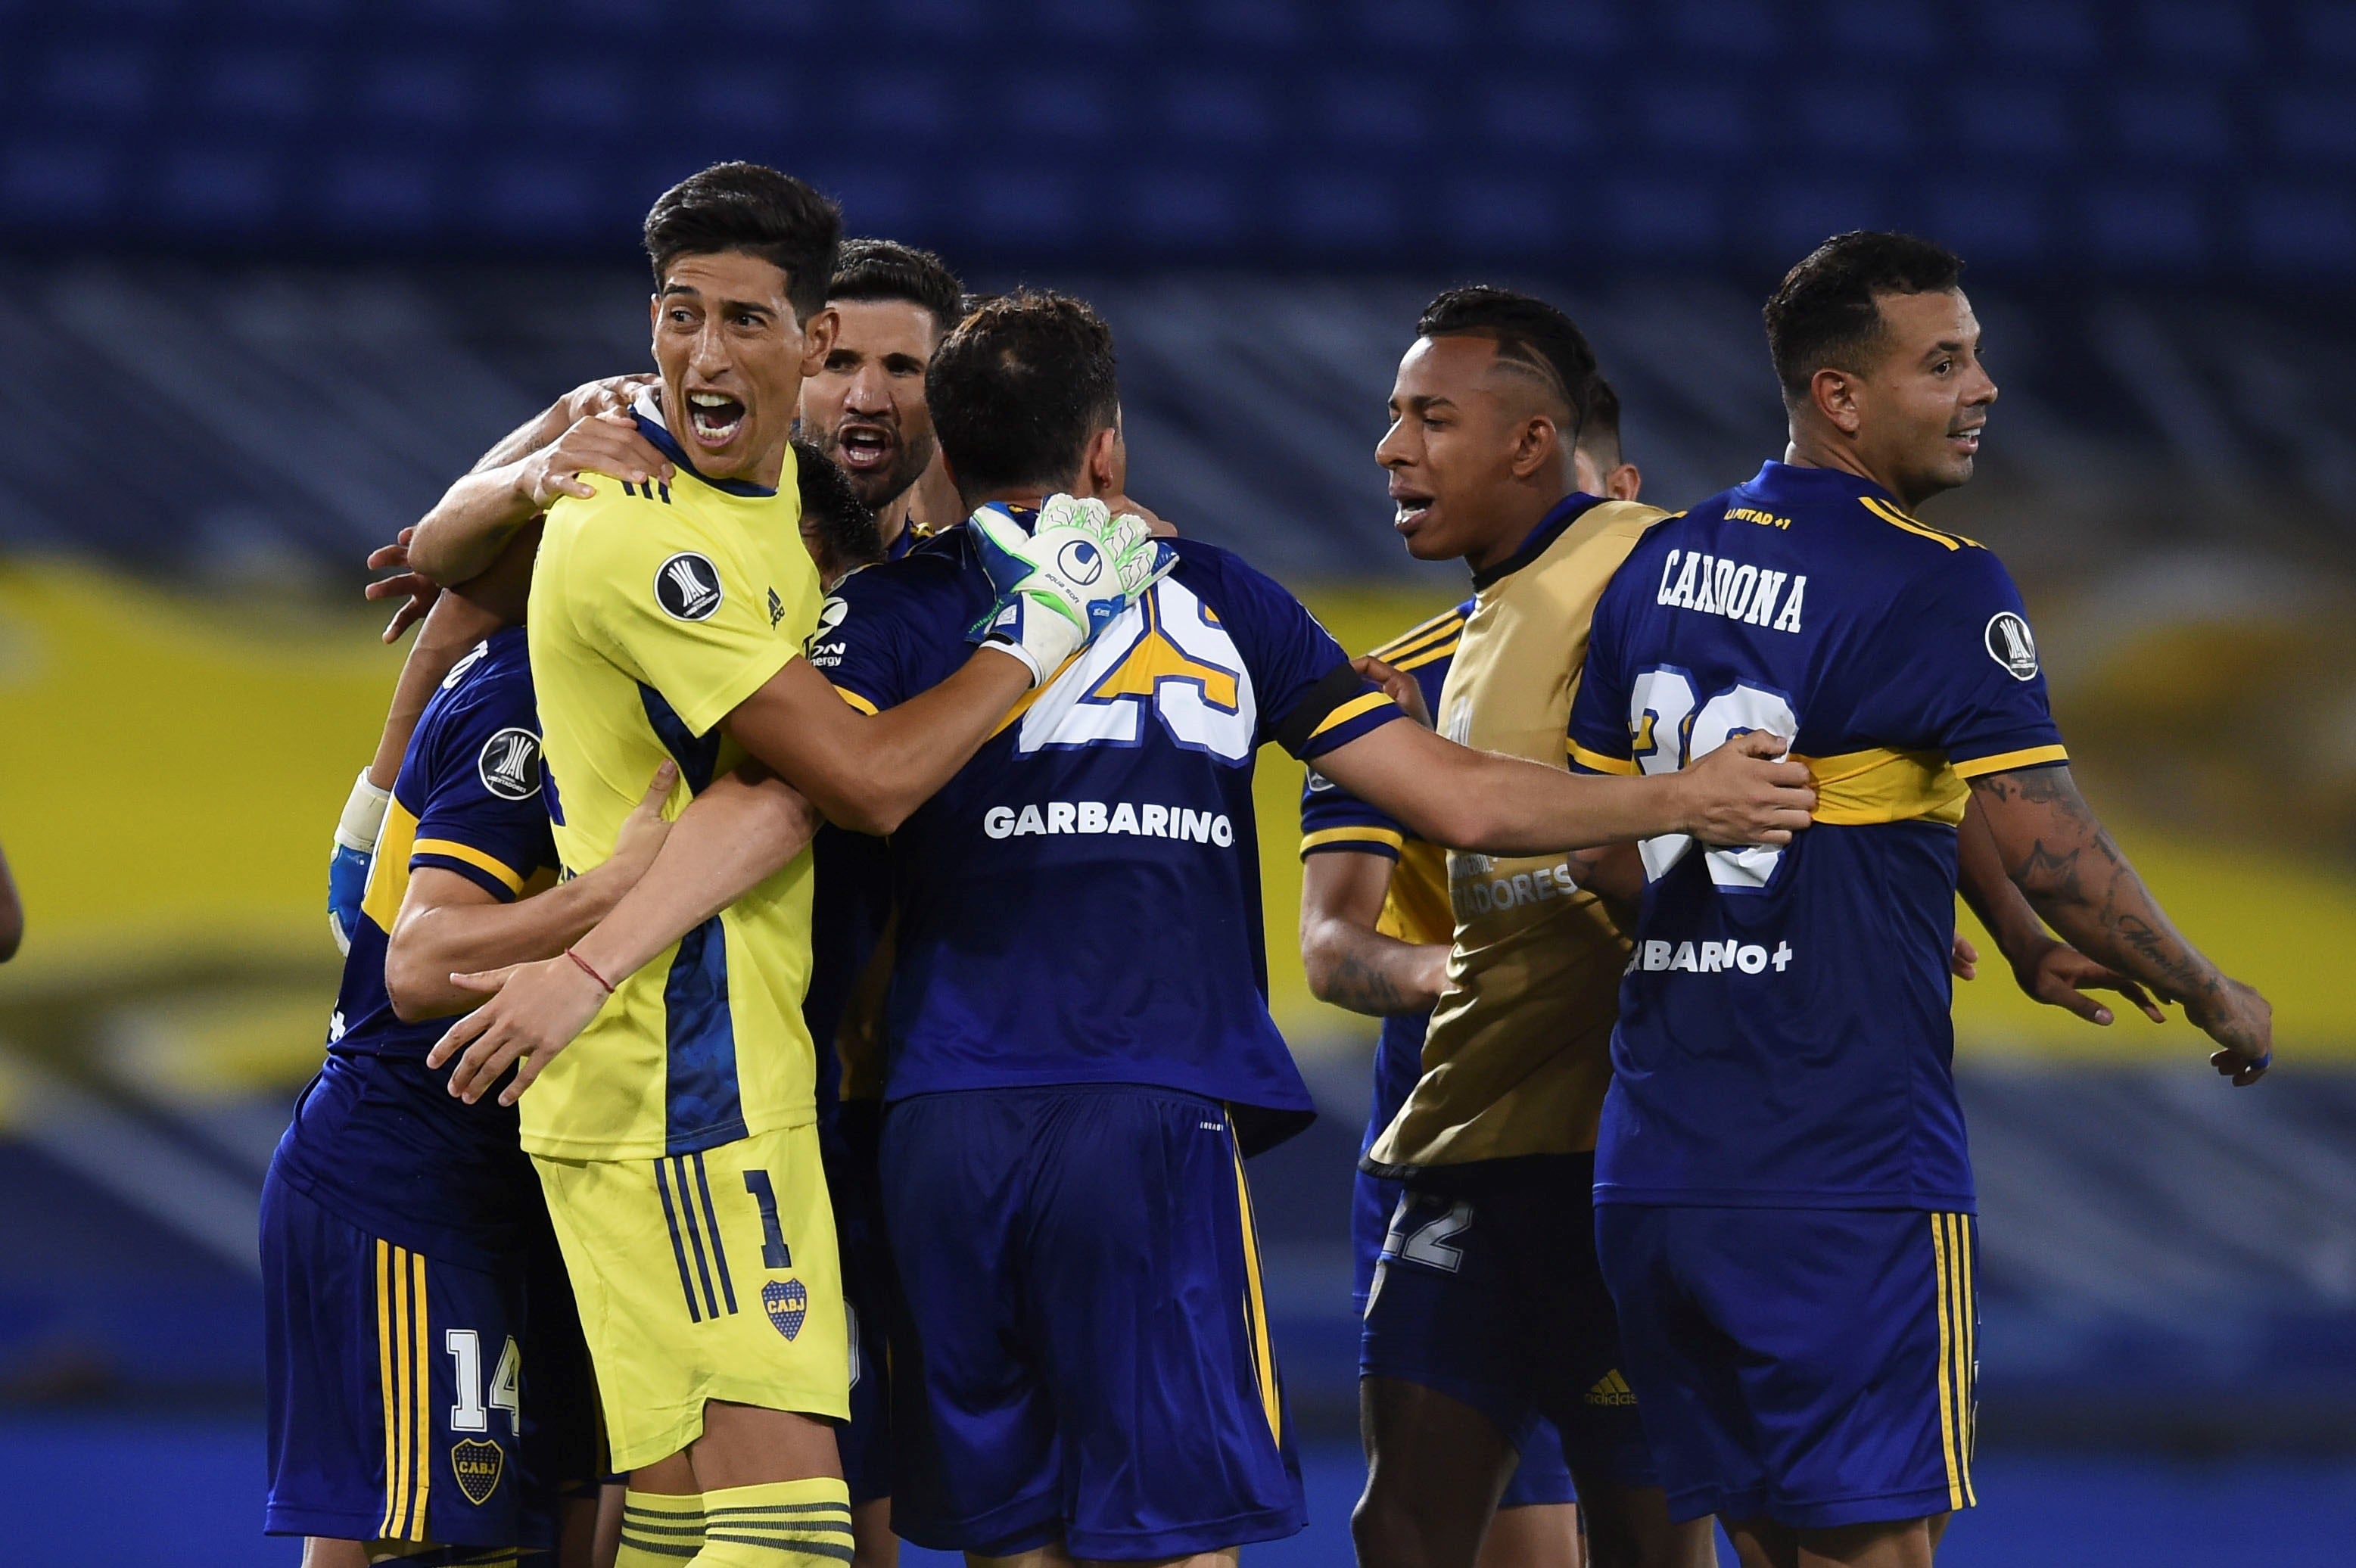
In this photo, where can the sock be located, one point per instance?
(659, 1530)
(776, 1524)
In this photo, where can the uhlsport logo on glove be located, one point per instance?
(1080, 561)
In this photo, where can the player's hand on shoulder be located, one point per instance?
(416, 591)
(1398, 685)
(2243, 1023)
(608, 442)
(1161, 528)
(607, 394)
(1742, 793)
(534, 1012)
(1063, 579)
(644, 830)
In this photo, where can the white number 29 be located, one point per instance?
(1669, 732)
(471, 1413)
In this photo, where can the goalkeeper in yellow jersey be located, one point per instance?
(675, 1142)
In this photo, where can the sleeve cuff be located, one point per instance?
(490, 873)
(1599, 763)
(2010, 761)
(1384, 841)
(703, 716)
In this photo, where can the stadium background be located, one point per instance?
(272, 271)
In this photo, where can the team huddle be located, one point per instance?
(804, 1018)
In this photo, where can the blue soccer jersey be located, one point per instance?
(377, 1140)
(1080, 903)
(1785, 1038)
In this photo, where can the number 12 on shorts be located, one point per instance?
(472, 1413)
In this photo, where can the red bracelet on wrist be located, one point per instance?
(586, 970)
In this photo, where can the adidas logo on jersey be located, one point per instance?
(1094, 816)
(1611, 1389)
(1736, 590)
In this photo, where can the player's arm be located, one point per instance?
(1496, 805)
(736, 835)
(2057, 852)
(2052, 972)
(12, 913)
(1350, 963)
(589, 430)
(451, 922)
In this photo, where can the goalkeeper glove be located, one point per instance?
(348, 868)
(1061, 580)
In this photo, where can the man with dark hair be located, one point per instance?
(1085, 1368)
(837, 527)
(866, 407)
(669, 619)
(1785, 1206)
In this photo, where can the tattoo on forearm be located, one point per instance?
(2075, 875)
(1363, 987)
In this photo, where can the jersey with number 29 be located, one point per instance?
(1785, 1038)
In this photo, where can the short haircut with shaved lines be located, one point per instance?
(1530, 335)
(1826, 313)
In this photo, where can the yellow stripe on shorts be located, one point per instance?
(1263, 1353)
(1951, 1252)
(405, 1389)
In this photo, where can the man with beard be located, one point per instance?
(865, 407)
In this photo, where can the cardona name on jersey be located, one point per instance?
(1736, 590)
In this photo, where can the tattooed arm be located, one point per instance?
(1350, 963)
(2052, 972)
(2056, 851)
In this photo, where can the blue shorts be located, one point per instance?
(870, 1294)
(1810, 1366)
(414, 1399)
(1084, 1347)
(1542, 1476)
(1488, 1292)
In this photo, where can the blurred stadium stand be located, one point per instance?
(272, 271)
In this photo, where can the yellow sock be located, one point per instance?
(776, 1524)
(659, 1530)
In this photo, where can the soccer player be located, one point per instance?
(1376, 927)
(676, 1150)
(866, 407)
(1783, 1199)
(425, 1366)
(837, 527)
(1062, 1161)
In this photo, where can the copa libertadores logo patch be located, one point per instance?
(508, 764)
(688, 587)
(2009, 644)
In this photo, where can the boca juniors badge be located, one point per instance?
(786, 1301)
(476, 1464)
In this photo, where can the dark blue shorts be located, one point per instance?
(1542, 1476)
(1488, 1292)
(870, 1297)
(1811, 1366)
(1084, 1347)
(414, 1399)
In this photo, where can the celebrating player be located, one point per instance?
(866, 407)
(1376, 927)
(676, 1150)
(425, 1366)
(1783, 1199)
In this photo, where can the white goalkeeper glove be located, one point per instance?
(1061, 580)
(348, 868)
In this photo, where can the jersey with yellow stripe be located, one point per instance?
(1784, 1037)
(655, 611)
(377, 1140)
(1080, 903)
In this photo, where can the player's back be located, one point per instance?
(654, 610)
(1785, 1038)
(376, 1138)
(1122, 788)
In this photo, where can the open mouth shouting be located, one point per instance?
(715, 418)
(865, 446)
(1413, 509)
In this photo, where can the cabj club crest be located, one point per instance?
(477, 1465)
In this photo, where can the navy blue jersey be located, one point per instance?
(1784, 1037)
(378, 1140)
(1080, 903)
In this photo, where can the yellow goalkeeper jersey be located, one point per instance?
(656, 610)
